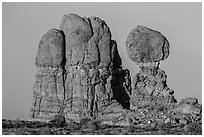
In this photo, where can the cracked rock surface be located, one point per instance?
(90, 72)
(79, 76)
(48, 90)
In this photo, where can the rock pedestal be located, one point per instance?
(150, 88)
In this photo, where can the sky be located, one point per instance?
(23, 25)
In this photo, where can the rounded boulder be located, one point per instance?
(51, 49)
(146, 45)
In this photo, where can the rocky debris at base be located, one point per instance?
(93, 127)
(162, 116)
(189, 106)
(187, 111)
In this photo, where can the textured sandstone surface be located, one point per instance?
(188, 106)
(145, 45)
(147, 48)
(51, 49)
(150, 88)
(79, 75)
(48, 90)
(90, 55)
(93, 83)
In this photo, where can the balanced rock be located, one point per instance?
(147, 48)
(151, 99)
(48, 90)
(145, 45)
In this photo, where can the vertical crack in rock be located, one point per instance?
(75, 71)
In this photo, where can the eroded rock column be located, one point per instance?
(91, 58)
(48, 90)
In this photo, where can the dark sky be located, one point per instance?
(25, 23)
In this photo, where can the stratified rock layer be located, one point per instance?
(48, 90)
(145, 45)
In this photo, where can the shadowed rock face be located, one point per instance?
(145, 45)
(116, 61)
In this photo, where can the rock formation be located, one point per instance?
(87, 62)
(48, 91)
(79, 75)
(147, 48)
(145, 45)
(151, 99)
(188, 106)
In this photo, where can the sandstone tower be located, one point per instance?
(79, 71)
